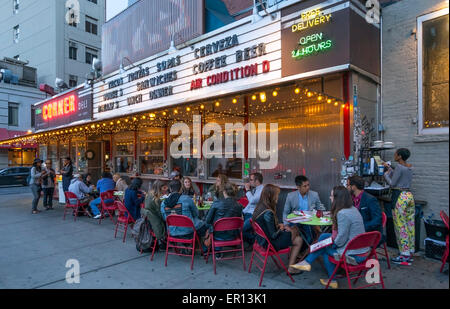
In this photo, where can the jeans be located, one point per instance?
(94, 206)
(325, 253)
(48, 197)
(247, 230)
(36, 190)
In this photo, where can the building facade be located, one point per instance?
(59, 38)
(415, 93)
(18, 92)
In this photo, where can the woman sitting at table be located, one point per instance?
(152, 210)
(225, 208)
(347, 224)
(187, 187)
(217, 189)
(280, 236)
(132, 200)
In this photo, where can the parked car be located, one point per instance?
(15, 176)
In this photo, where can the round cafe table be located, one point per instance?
(314, 220)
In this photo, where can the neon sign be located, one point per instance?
(313, 47)
(311, 19)
(60, 107)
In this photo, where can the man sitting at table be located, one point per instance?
(367, 204)
(303, 199)
(106, 183)
(78, 188)
(253, 191)
(179, 204)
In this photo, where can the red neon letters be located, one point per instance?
(60, 107)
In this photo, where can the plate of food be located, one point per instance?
(302, 213)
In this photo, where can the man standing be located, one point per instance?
(301, 199)
(48, 185)
(253, 192)
(367, 204)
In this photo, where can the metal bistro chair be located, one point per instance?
(75, 207)
(385, 254)
(227, 224)
(123, 220)
(110, 207)
(261, 253)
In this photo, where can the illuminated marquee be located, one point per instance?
(311, 19)
(60, 107)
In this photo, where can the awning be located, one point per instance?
(6, 134)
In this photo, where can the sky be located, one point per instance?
(113, 7)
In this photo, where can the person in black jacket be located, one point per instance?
(132, 200)
(67, 173)
(367, 204)
(280, 236)
(227, 207)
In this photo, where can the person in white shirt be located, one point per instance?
(253, 192)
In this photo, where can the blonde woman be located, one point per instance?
(217, 189)
(152, 209)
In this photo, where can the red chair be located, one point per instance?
(227, 224)
(261, 252)
(385, 254)
(109, 208)
(365, 240)
(444, 218)
(155, 241)
(123, 220)
(74, 207)
(173, 241)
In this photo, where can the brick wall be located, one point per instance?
(430, 157)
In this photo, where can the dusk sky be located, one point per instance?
(113, 7)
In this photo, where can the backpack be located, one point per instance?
(141, 232)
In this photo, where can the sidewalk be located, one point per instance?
(34, 250)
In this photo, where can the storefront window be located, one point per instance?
(43, 152)
(15, 157)
(28, 156)
(151, 151)
(52, 152)
(186, 166)
(63, 152)
(124, 152)
(433, 73)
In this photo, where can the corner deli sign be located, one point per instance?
(218, 64)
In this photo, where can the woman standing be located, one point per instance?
(67, 173)
(280, 236)
(48, 185)
(347, 224)
(402, 205)
(36, 183)
(152, 209)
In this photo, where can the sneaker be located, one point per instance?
(402, 260)
(98, 216)
(303, 265)
(333, 283)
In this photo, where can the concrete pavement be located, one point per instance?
(34, 250)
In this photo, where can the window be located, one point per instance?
(73, 51)
(16, 31)
(91, 25)
(93, 1)
(151, 151)
(433, 72)
(90, 55)
(15, 7)
(13, 114)
(124, 152)
(73, 81)
(33, 116)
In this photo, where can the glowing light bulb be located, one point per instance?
(309, 94)
(234, 101)
(297, 90)
(263, 97)
(217, 104)
(319, 98)
(254, 97)
(275, 93)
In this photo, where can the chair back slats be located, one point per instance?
(228, 224)
(179, 221)
(258, 230)
(70, 196)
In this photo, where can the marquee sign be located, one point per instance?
(64, 109)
